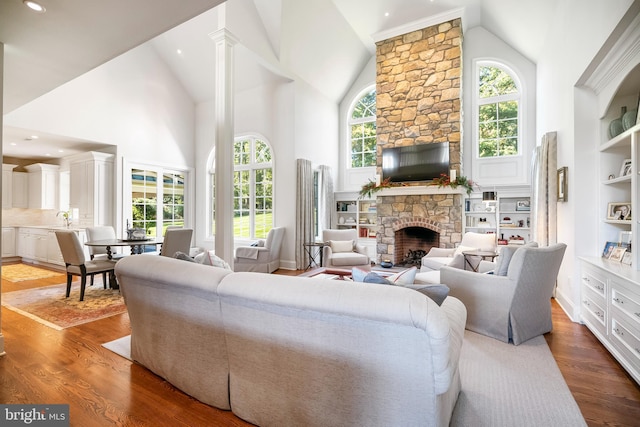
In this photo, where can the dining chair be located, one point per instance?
(176, 240)
(76, 263)
(101, 232)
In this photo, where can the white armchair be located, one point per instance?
(342, 249)
(264, 258)
(439, 257)
(515, 307)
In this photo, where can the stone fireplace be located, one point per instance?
(418, 101)
(417, 221)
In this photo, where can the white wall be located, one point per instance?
(576, 32)
(480, 44)
(132, 101)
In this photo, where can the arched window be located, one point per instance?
(362, 125)
(498, 98)
(252, 188)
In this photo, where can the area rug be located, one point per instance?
(49, 306)
(508, 385)
(121, 346)
(22, 272)
(502, 385)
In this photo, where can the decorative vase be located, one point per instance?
(386, 263)
(616, 127)
(629, 119)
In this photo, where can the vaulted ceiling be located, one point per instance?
(324, 42)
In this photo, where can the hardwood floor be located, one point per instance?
(43, 365)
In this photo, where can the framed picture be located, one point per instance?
(624, 238)
(608, 248)
(626, 258)
(619, 211)
(562, 184)
(625, 169)
(523, 205)
(617, 253)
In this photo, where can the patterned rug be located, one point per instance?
(21, 272)
(49, 306)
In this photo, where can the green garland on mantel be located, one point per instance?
(461, 181)
(444, 180)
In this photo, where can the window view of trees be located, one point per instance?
(363, 131)
(252, 189)
(148, 199)
(498, 99)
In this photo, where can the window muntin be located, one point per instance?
(498, 112)
(155, 207)
(362, 124)
(252, 189)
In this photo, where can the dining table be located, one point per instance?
(136, 245)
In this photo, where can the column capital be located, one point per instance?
(223, 35)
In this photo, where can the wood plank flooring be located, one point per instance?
(103, 389)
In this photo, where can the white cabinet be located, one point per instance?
(41, 245)
(8, 242)
(7, 185)
(43, 186)
(610, 302)
(20, 195)
(91, 188)
(509, 217)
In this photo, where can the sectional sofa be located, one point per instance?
(283, 350)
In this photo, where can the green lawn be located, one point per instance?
(264, 223)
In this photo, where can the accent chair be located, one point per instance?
(515, 306)
(342, 249)
(264, 257)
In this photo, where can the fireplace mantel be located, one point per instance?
(419, 190)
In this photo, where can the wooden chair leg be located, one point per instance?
(69, 276)
(83, 284)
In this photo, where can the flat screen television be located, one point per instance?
(415, 163)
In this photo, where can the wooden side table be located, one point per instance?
(483, 255)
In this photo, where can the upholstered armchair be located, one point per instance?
(512, 307)
(263, 258)
(342, 249)
(439, 257)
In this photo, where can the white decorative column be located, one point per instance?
(224, 143)
(2, 353)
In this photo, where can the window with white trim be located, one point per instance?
(252, 188)
(498, 99)
(362, 125)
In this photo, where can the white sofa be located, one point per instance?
(291, 351)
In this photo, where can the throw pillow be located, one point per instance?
(438, 293)
(341, 245)
(210, 258)
(358, 274)
(376, 278)
(405, 277)
(461, 249)
(182, 256)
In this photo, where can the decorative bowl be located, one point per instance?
(386, 263)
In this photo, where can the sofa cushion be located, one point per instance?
(435, 263)
(338, 246)
(506, 253)
(437, 292)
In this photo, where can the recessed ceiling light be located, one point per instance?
(386, 14)
(37, 7)
(60, 151)
(13, 144)
(34, 137)
(179, 51)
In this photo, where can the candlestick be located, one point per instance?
(452, 175)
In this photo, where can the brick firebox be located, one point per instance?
(440, 212)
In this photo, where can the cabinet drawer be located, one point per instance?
(627, 340)
(593, 314)
(594, 281)
(626, 303)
